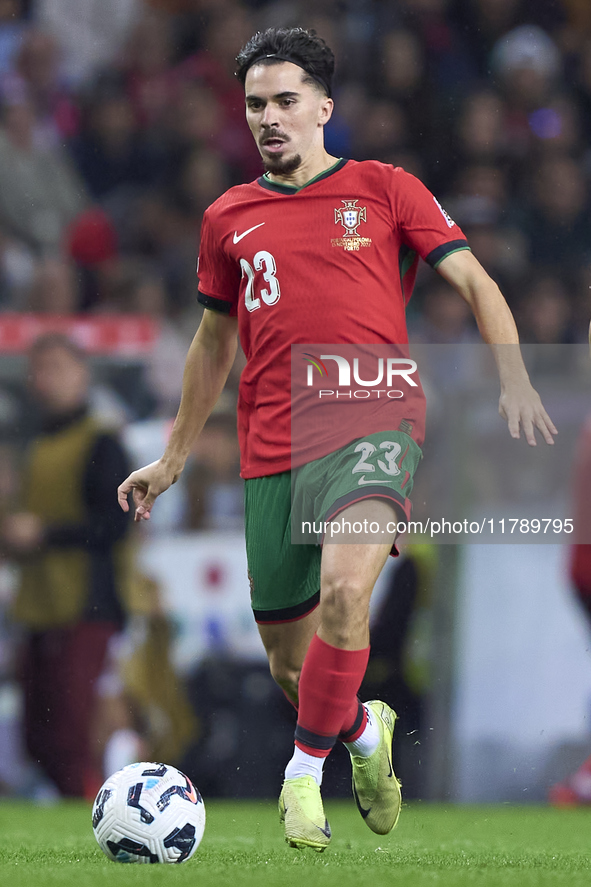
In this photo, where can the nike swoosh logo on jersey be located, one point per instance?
(362, 480)
(238, 237)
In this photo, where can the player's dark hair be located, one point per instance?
(296, 45)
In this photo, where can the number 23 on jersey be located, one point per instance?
(263, 262)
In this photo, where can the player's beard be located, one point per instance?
(277, 166)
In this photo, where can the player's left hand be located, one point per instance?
(521, 406)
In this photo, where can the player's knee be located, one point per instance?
(344, 594)
(344, 608)
(285, 675)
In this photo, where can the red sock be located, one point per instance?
(357, 718)
(327, 694)
(355, 723)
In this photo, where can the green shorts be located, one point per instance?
(284, 568)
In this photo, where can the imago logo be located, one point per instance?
(390, 372)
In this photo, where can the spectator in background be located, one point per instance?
(91, 243)
(212, 68)
(445, 318)
(74, 559)
(38, 77)
(402, 78)
(402, 68)
(447, 60)
(385, 131)
(583, 88)
(17, 269)
(137, 288)
(556, 219)
(90, 33)
(110, 153)
(545, 314)
(162, 232)
(481, 129)
(12, 28)
(557, 128)
(147, 68)
(54, 289)
(528, 67)
(195, 119)
(479, 194)
(478, 200)
(546, 319)
(484, 22)
(203, 178)
(215, 490)
(40, 194)
(578, 22)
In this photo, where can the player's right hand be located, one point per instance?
(146, 484)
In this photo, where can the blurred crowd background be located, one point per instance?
(121, 121)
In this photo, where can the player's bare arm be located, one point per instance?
(519, 403)
(208, 364)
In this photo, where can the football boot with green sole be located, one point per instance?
(300, 808)
(375, 787)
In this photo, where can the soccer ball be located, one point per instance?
(148, 813)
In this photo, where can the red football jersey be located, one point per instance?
(331, 263)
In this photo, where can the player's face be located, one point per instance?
(286, 115)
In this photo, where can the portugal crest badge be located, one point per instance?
(350, 216)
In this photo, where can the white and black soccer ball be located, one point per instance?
(148, 812)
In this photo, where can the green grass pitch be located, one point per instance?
(243, 846)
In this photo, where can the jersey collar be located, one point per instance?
(270, 185)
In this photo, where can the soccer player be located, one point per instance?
(276, 265)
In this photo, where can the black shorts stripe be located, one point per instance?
(374, 492)
(314, 740)
(219, 305)
(287, 614)
(440, 252)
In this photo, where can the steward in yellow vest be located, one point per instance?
(69, 539)
(81, 570)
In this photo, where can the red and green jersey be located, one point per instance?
(333, 262)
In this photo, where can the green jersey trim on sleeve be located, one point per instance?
(440, 253)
